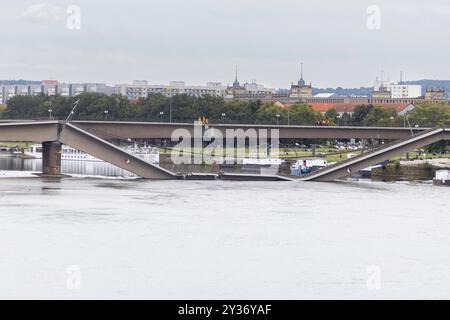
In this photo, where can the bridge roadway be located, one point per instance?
(378, 155)
(158, 130)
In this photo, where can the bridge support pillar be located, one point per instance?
(51, 158)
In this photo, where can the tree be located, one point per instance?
(240, 111)
(345, 119)
(333, 116)
(2, 110)
(382, 117)
(430, 115)
(360, 113)
(267, 113)
(92, 106)
(23, 107)
(302, 114)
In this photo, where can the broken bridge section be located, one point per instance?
(82, 140)
(378, 155)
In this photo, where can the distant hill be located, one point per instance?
(367, 91)
(442, 84)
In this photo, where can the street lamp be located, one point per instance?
(409, 124)
(170, 105)
(278, 118)
(223, 117)
(50, 114)
(161, 114)
(106, 115)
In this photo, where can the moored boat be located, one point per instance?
(148, 154)
(303, 166)
(442, 178)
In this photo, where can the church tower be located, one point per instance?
(301, 89)
(301, 82)
(236, 83)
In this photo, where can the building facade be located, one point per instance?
(401, 91)
(435, 94)
(136, 90)
(52, 88)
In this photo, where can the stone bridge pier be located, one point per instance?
(51, 158)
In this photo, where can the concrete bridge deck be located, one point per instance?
(386, 152)
(50, 132)
(89, 137)
(158, 130)
(79, 139)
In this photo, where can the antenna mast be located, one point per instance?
(72, 112)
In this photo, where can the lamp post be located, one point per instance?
(106, 115)
(161, 114)
(409, 124)
(223, 117)
(278, 118)
(50, 114)
(170, 106)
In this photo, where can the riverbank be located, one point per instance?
(410, 170)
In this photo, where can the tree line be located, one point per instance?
(184, 108)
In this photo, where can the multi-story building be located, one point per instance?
(435, 94)
(400, 91)
(52, 88)
(248, 90)
(255, 88)
(141, 90)
(382, 84)
(397, 91)
(382, 93)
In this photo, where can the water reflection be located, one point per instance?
(67, 167)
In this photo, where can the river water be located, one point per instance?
(105, 237)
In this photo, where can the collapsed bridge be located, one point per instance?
(90, 137)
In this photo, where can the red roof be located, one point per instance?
(340, 107)
(49, 82)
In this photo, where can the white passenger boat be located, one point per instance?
(262, 161)
(304, 166)
(442, 177)
(148, 154)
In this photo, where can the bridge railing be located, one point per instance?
(385, 146)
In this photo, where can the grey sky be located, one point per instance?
(201, 40)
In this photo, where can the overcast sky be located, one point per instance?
(201, 40)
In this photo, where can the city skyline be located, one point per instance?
(201, 41)
(381, 77)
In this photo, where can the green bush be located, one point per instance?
(427, 166)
